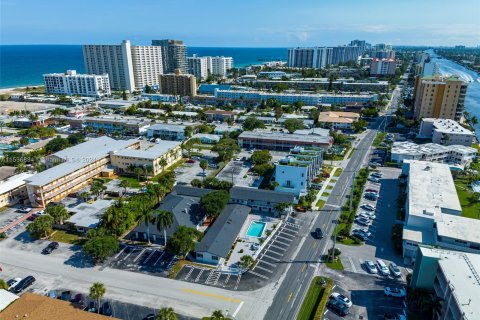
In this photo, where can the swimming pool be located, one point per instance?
(256, 229)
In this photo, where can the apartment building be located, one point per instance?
(318, 57)
(272, 74)
(433, 211)
(219, 66)
(262, 201)
(71, 83)
(383, 67)
(295, 172)
(73, 168)
(337, 119)
(453, 277)
(439, 97)
(13, 189)
(362, 44)
(173, 132)
(445, 131)
(425, 66)
(279, 141)
(110, 124)
(324, 84)
(168, 98)
(342, 54)
(457, 155)
(178, 84)
(220, 115)
(124, 160)
(198, 66)
(128, 67)
(174, 55)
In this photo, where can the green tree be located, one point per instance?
(97, 188)
(58, 213)
(203, 165)
(24, 141)
(218, 315)
(76, 138)
(124, 184)
(166, 314)
(163, 163)
(214, 202)
(147, 216)
(138, 172)
(84, 195)
(359, 125)
(41, 226)
(246, 262)
(278, 112)
(293, 125)
(183, 241)
(188, 131)
(158, 190)
(124, 95)
(226, 148)
(196, 183)
(56, 144)
(3, 284)
(100, 246)
(164, 220)
(261, 157)
(252, 123)
(97, 292)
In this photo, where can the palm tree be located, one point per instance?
(166, 314)
(164, 220)
(97, 291)
(84, 195)
(146, 171)
(158, 190)
(217, 315)
(163, 163)
(146, 215)
(124, 184)
(138, 171)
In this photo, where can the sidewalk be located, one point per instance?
(324, 187)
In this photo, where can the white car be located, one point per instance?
(395, 292)
(368, 214)
(363, 231)
(382, 268)
(370, 266)
(363, 221)
(395, 270)
(368, 207)
(362, 215)
(341, 298)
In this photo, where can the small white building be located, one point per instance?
(167, 131)
(71, 83)
(446, 132)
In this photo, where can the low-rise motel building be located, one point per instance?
(72, 169)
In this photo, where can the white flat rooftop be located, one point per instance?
(14, 182)
(457, 227)
(151, 153)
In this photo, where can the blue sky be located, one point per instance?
(243, 23)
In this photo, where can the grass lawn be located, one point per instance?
(312, 299)
(469, 209)
(349, 241)
(202, 147)
(320, 204)
(133, 182)
(336, 265)
(325, 194)
(66, 237)
(378, 139)
(351, 153)
(221, 165)
(327, 169)
(338, 172)
(329, 187)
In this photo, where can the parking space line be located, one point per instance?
(270, 264)
(287, 234)
(278, 241)
(228, 278)
(258, 275)
(199, 275)
(352, 264)
(261, 268)
(238, 281)
(140, 254)
(159, 258)
(273, 258)
(128, 254)
(189, 272)
(271, 251)
(121, 251)
(275, 246)
(286, 239)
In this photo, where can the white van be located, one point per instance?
(382, 268)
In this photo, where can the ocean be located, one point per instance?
(23, 65)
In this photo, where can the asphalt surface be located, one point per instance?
(290, 294)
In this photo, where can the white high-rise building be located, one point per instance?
(219, 66)
(318, 57)
(71, 83)
(128, 67)
(198, 66)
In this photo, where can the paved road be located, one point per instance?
(289, 297)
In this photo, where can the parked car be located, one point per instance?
(66, 296)
(106, 309)
(318, 233)
(371, 190)
(374, 164)
(49, 249)
(382, 268)
(341, 298)
(377, 174)
(150, 316)
(78, 297)
(370, 266)
(375, 180)
(92, 306)
(337, 307)
(395, 292)
(363, 221)
(371, 197)
(238, 159)
(360, 236)
(362, 215)
(13, 282)
(395, 270)
(368, 207)
(369, 214)
(190, 161)
(24, 210)
(363, 231)
(24, 284)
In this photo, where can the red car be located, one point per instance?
(190, 161)
(372, 190)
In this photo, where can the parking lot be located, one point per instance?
(236, 172)
(270, 263)
(142, 259)
(189, 171)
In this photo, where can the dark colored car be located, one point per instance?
(150, 316)
(24, 284)
(51, 246)
(78, 297)
(337, 308)
(66, 296)
(106, 309)
(92, 306)
(370, 196)
(318, 233)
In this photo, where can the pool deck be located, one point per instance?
(247, 241)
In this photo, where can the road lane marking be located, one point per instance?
(304, 267)
(290, 296)
(314, 244)
(211, 295)
(238, 309)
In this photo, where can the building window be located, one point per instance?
(215, 258)
(199, 255)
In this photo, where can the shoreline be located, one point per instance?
(19, 88)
